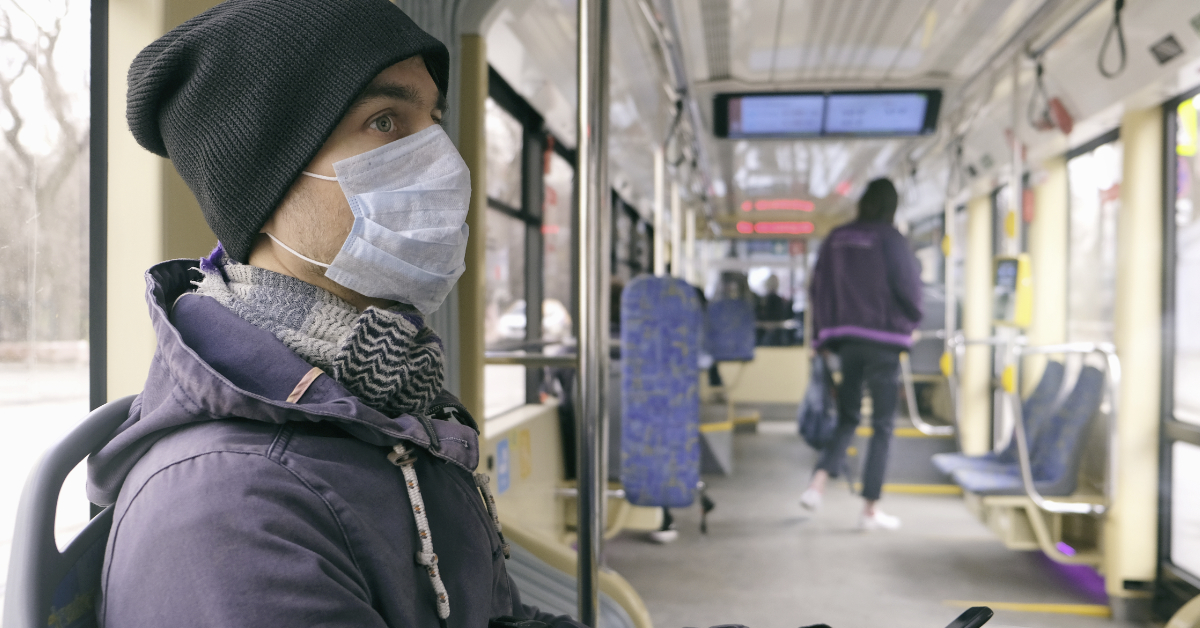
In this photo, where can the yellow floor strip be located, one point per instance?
(749, 418)
(1087, 610)
(720, 426)
(918, 489)
(901, 432)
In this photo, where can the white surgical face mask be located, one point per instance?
(409, 240)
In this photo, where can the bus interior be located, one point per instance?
(1045, 157)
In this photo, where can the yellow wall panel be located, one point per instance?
(1131, 534)
(472, 143)
(975, 421)
(1048, 254)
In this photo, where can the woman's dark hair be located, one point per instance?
(878, 202)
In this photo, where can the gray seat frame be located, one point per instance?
(36, 567)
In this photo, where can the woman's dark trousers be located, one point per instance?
(877, 366)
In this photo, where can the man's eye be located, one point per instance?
(383, 124)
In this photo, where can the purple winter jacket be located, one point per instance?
(867, 285)
(237, 508)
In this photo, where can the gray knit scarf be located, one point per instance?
(386, 357)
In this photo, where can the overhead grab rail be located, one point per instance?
(1116, 27)
(910, 393)
(1112, 376)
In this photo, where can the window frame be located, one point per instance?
(536, 141)
(98, 211)
(1174, 586)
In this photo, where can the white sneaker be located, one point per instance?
(662, 537)
(878, 521)
(811, 499)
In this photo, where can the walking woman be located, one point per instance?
(866, 299)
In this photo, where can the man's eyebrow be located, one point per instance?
(394, 91)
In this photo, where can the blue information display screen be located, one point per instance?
(776, 115)
(901, 114)
(799, 115)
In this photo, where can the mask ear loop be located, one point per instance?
(293, 252)
(317, 176)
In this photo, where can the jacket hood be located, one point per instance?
(212, 365)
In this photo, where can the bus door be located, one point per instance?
(1179, 483)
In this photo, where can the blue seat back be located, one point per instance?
(729, 330)
(47, 587)
(1058, 448)
(661, 323)
(1038, 408)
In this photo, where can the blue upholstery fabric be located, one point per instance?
(1055, 454)
(948, 463)
(730, 330)
(661, 324)
(1036, 410)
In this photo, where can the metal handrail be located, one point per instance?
(535, 360)
(1112, 372)
(910, 393)
(958, 343)
(926, 334)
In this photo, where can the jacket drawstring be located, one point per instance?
(404, 458)
(482, 480)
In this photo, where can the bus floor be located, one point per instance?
(767, 563)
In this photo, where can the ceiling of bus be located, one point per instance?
(832, 44)
(751, 45)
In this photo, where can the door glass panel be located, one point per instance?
(43, 247)
(1187, 268)
(1185, 507)
(1094, 179)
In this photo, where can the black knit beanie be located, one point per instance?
(242, 96)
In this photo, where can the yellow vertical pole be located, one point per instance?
(1131, 533)
(135, 205)
(975, 421)
(472, 143)
(152, 214)
(185, 234)
(1048, 256)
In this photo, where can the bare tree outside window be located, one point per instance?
(44, 109)
(43, 177)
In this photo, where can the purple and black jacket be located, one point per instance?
(235, 507)
(866, 286)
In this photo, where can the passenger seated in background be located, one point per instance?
(773, 310)
(866, 301)
(256, 480)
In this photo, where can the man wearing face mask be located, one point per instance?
(293, 459)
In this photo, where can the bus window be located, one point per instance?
(1187, 266)
(504, 143)
(1094, 179)
(504, 273)
(43, 249)
(1185, 456)
(559, 181)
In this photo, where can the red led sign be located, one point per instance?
(778, 204)
(790, 228)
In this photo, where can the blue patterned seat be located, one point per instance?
(1055, 453)
(729, 330)
(661, 324)
(1036, 410)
